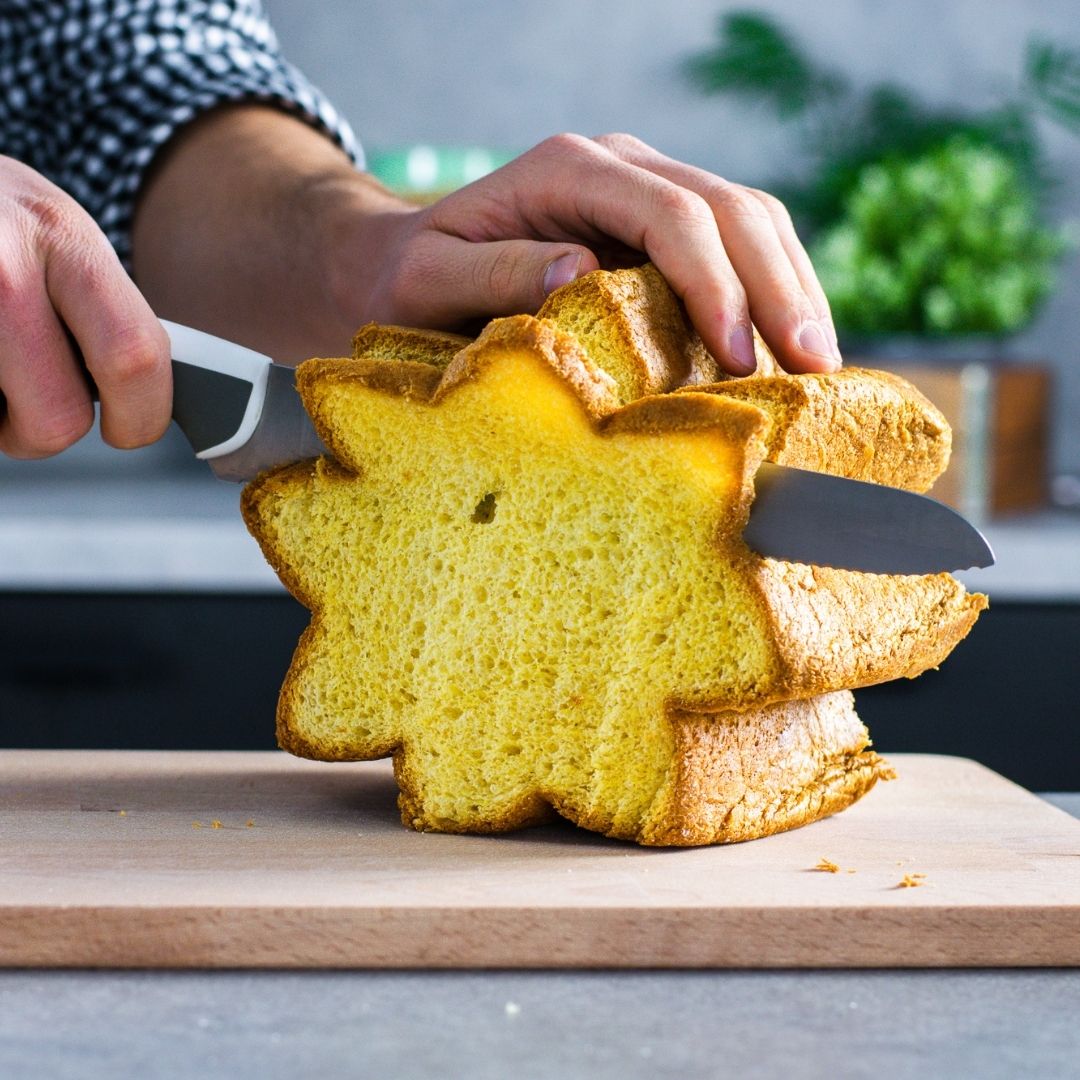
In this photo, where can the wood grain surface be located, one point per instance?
(181, 860)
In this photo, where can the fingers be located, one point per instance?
(47, 400)
(125, 348)
(64, 295)
(449, 280)
(800, 260)
(576, 185)
(784, 297)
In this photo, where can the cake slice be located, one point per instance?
(405, 344)
(632, 325)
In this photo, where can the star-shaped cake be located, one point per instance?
(535, 596)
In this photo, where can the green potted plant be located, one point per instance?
(947, 242)
(923, 222)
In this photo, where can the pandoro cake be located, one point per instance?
(528, 582)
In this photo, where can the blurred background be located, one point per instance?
(930, 153)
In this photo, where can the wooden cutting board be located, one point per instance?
(135, 859)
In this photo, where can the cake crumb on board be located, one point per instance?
(911, 881)
(827, 866)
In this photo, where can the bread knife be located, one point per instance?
(242, 415)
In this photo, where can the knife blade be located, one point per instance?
(242, 415)
(812, 517)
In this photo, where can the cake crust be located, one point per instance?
(406, 344)
(860, 423)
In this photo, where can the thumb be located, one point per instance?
(502, 277)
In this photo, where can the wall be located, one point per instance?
(509, 72)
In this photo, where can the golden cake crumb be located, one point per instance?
(911, 881)
(828, 866)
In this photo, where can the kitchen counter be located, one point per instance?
(482, 1025)
(169, 534)
(184, 534)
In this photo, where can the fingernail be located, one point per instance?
(562, 271)
(742, 350)
(830, 331)
(813, 339)
(833, 340)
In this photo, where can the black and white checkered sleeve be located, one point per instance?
(91, 89)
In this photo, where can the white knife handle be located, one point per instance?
(203, 350)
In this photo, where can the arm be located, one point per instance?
(257, 227)
(236, 231)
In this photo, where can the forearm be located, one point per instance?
(240, 230)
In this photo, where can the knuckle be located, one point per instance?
(776, 209)
(55, 432)
(409, 279)
(52, 223)
(52, 216)
(496, 277)
(802, 306)
(622, 144)
(790, 303)
(62, 435)
(566, 142)
(682, 204)
(135, 356)
(735, 201)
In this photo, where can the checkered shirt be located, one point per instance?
(91, 89)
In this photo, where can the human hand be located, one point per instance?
(59, 276)
(571, 205)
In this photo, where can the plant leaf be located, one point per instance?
(1053, 78)
(755, 58)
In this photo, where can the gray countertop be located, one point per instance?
(494, 1026)
(620, 1025)
(183, 533)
